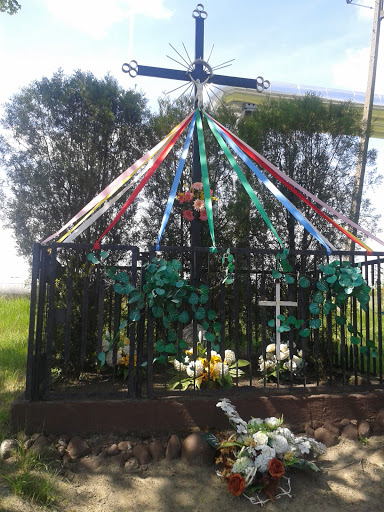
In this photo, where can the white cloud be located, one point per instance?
(96, 17)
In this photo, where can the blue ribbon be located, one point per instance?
(275, 191)
(175, 184)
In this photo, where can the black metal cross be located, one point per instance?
(199, 73)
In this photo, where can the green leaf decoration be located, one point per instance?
(166, 322)
(123, 325)
(211, 439)
(134, 298)
(170, 348)
(228, 280)
(160, 291)
(205, 325)
(134, 315)
(370, 343)
(176, 265)
(157, 311)
(172, 336)
(281, 317)
(216, 326)
(291, 320)
(331, 279)
(193, 298)
(289, 279)
(304, 333)
(173, 315)
(104, 254)
(302, 464)
(322, 286)
(327, 308)
(204, 289)
(183, 317)
(151, 268)
(92, 258)
(318, 297)
(304, 282)
(340, 320)
(314, 308)
(355, 340)
(209, 336)
(200, 313)
(160, 346)
(101, 358)
(111, 272)
(119, 288)
(373, 353)
(123, 277)
(351, 329)
(203, 299)
(215, 347)
(182, 344)
(329, 270)
(299, 323)
(276, 274)
(283, 328)
(179, 284)
(315, 323)
(363, 350)
(211, 314)
(161, 359)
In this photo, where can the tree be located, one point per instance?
(9, 6)
(67, 138)
(316, 144)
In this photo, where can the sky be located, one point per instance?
(322, 43)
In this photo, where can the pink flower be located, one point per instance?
(203, 215)
(180, 197)
(199, 205)
(197, 185)
(188, 215)
(188, 196)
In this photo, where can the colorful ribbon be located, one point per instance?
(204, 175)
(292, 185)
(146, 178)
(175, 184)
(243, 179)
(279, 196)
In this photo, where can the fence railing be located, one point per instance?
(74, 304)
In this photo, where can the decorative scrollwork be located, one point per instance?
(132, 68)
(262, 84)
(207, 68)
(199, 12)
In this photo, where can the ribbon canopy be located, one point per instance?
(143, 169)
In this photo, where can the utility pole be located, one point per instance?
(367, 116)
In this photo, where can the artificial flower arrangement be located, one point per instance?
(194, 193)
(202, 371)
(122, 354)
(257, 456)
(269, 366)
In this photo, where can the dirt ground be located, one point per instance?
(351, 479)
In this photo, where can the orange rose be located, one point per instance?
(276, 468)
(236, 484)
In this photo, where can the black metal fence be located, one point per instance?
(74, 305)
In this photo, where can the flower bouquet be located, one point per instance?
(105, 357)
(285, 366)
(257, 456)
(203, 371)
(194, 194)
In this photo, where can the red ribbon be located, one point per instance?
(146, 178)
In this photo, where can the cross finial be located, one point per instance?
(199, 12)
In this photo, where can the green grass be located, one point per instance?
(14, 319)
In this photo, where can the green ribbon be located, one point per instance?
(204, 175)
(242, 178)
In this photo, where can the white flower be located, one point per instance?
(290, 365)
(221, 368)
(105, 345)
(255, 422)
(195, 369)
(125, 349)
(230, 357)
(260, 439)
(285, 432)
(270, 348)
(284, 347)
(109, 358)
(215, 354)
(300, 353)
(178, 365)
(296, 360)
(261, 461)
(272, 422)
(271, 357)
(279, 443)
(241, 465)
(284, 355)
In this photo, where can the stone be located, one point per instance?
(124, 445)
(173, 450)
(35, 436)
(77, 447)
(322, 435)
(28, 443)
(131, 465)
(156, 449)
(196, 451)
(141, 453)
(354, 422)
(329, 425)
(65, 438)
(118, 460)
(344, 422)
(66, 459)
(350, 432)
(364, 429)
(7, 447)
(89, 463)
(113, 450)
(309, 430)
(96, 450)
(316, 424)
(41, 445)
(61, 450)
